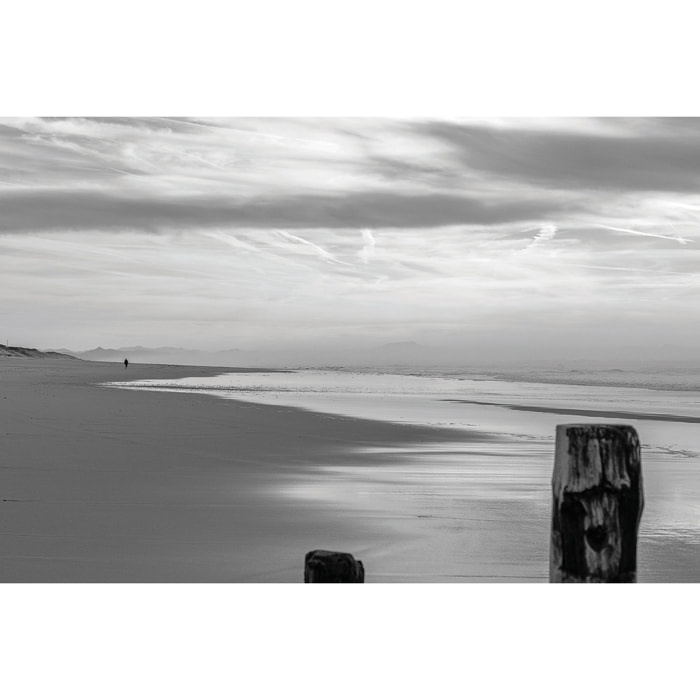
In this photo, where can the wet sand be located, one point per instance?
(106, 485)
(102, 484)
(598, 413)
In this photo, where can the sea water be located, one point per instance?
(477, 507)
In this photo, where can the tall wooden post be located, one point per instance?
(322, 566)
(597, 504)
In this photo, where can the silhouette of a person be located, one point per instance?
(126, 363)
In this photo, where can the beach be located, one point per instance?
(103, 484)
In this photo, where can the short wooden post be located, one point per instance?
(597, 504)
(321, 566)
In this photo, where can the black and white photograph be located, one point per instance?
(338, 350)
(405, 296)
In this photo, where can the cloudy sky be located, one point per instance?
(505, 237)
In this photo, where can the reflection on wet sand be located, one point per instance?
(476, 508)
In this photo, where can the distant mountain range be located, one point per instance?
(33, 353)
(390, 353)
(161, 355)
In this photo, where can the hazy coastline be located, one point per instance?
(100, 484)
(115, 486)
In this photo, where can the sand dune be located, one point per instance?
(33, 353)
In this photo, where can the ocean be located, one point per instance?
(478, 507)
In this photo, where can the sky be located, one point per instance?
(480, 239)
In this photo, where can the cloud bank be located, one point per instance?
(562, 236)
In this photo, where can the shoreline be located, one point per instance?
(589, 413)
(101, 485)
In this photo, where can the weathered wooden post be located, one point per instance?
(597, 504)
(321, 566)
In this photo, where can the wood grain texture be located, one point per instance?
(597, 503)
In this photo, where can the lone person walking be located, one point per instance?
(126, 363)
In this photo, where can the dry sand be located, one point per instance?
(106, 485)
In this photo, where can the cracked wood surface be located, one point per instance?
(597, 503)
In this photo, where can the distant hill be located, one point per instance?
(137, 352)
(33, 353)
(406, 353)
(166, 355)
